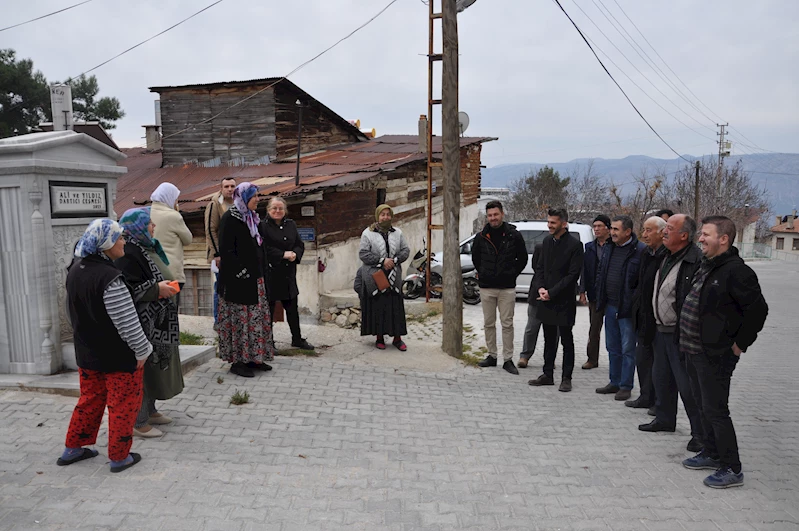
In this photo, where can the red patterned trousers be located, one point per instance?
(122, 393)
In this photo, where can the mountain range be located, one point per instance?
(777, 172)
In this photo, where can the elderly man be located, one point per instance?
(672, 283)
(617, 279)
(217, 206)
(594, 250)
(723, 312)
(652, 236)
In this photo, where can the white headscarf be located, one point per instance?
(100, 235)
(166, 193)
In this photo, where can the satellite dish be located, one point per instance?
(463, 121)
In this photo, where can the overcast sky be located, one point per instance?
(525, 74)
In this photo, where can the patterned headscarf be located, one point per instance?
(241, 196)
(100, 235)
(134, 223)
(166, 193)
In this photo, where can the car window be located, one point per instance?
(576, 235)
(533, 238)
(466, 248)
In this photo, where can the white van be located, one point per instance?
(533, 232)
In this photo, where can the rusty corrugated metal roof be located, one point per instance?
(332, 167)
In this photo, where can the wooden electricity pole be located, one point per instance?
(452, 341)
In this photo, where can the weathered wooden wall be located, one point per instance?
(344, 215)
(319, 131)
(247, 130)
(470, 173)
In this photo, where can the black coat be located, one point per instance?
(535, 283)
(643, 312)
(499, 263)
(282, 274)
(629, 279)
(731, 306)
(560, 267)
(690, 264)
(242, 262)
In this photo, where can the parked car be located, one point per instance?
(533, 232)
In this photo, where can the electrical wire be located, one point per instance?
(151, 38)
(45, 16)
(297, 69)
(616, 82)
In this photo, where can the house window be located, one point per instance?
(381, 197)
(795, 244)
(197, 295)
(780, 244)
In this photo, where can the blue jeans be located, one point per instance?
(620, 342)
(216, 298)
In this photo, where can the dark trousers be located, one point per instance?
(671, 377)
(292, 316)
(177, 297)
(644, 358)
(597, 319)
(710, 378)
(551, 349)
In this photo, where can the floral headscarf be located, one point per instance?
(100, 235)
(134, 223)
(166, 193)
(241, 196)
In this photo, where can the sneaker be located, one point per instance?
(542, 380)
(510, 367)
(490, 361)
(701, 461)
(565, 385)
(608, 389)
(724, 478)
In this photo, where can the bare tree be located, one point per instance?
(588, 193)
(647, 196)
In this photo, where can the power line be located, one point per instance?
(616, 82)
(45, 16)
(297, 69)
(151, 38)
(633, 64)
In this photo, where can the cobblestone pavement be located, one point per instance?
(329, 445)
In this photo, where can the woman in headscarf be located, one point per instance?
(110, 348)
(145, 268)
(170, 230)
(284, 250)
(383, 248)
(244, 323)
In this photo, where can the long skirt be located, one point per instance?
(383, 314)
(245, 331)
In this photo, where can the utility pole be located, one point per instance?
(452, 341)
(724, 151)
(696, 194)
(299, 141)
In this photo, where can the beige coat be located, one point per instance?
(213, 215)
(172, 232)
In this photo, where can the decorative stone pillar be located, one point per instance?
(42, 274)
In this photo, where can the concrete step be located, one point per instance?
(67, 384)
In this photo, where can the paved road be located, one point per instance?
(331, 445)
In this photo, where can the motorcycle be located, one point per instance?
(415, 283)
(471, 288)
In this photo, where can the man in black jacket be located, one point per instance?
(559, 268)
(671, 284)
(644, 317)
(721, 317)
(499, 255)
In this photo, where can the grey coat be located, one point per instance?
(372, 252)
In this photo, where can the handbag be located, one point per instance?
(381, 280)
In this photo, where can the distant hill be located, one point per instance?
(784, 189)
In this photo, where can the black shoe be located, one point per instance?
(637, 403)
(510, 367)
(609, 389)
(301, 344)
(542, 380)
(651, 411)
(655, 426)
(259, 366)
(242, 370)
(490, 361)
(622, 394)
(694, 445)
(565, 385)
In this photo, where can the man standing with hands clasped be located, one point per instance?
(721, 317)
(560, 266)
(499, 255)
